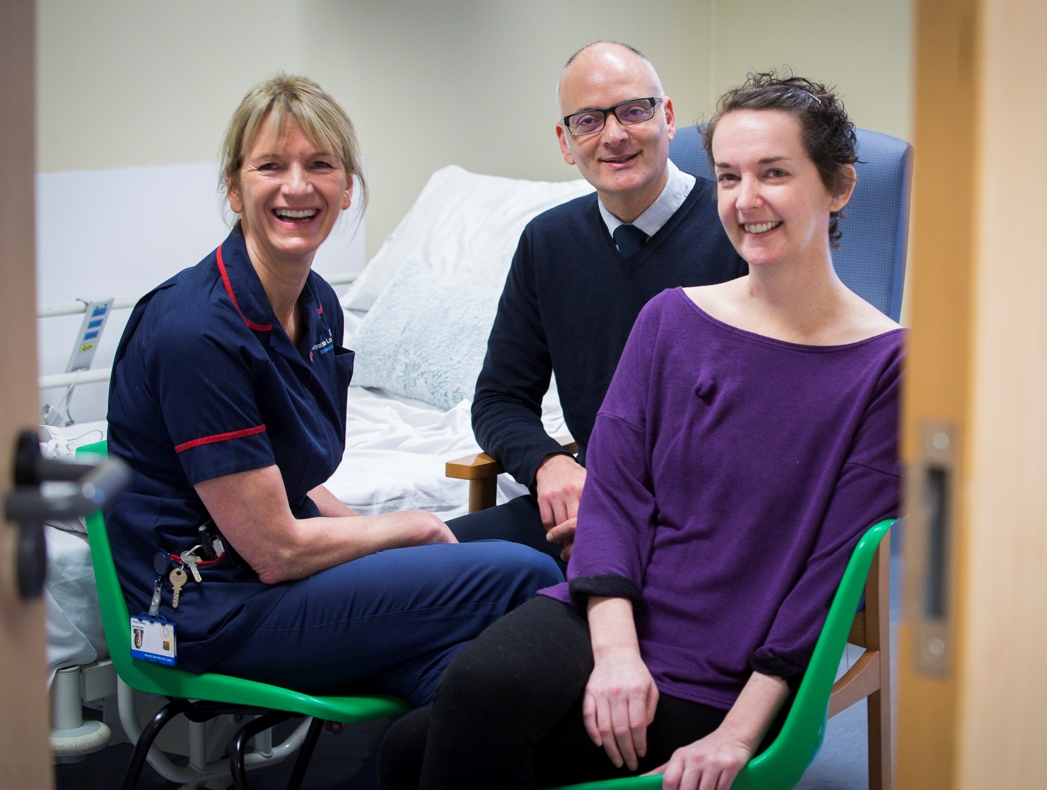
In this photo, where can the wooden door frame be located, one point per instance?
(25, 757)
(977, 363)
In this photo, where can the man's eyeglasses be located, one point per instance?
(628, 112)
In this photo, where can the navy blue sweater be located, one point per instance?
(569, 303)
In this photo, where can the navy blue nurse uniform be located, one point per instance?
(207, 383)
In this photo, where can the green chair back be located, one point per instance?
(783, 763)
(173, 682)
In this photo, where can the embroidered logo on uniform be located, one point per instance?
(325, 345)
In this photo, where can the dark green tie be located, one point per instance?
(629, 239)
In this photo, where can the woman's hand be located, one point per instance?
(713, 762)
(709, 764)
(252, 513)
(407, 528)
(621, 697)
(403, 528)
(620, 701)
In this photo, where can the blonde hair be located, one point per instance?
(299, 99)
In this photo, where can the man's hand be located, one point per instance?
(563, 534)
(559, 481)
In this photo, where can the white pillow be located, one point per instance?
(465, 226)
(425, 338)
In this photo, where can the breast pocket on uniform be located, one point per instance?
(344, 359)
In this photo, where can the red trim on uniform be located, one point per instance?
(229, 290)
(320, 310)
(219, 437)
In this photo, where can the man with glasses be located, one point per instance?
(580, 276)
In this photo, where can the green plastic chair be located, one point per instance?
(211, 694)
(783, 763)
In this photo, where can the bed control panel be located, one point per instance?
(95, 317)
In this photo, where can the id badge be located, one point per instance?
(153, 639)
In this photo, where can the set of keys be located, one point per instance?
(178, 577)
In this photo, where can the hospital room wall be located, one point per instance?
(124, 83)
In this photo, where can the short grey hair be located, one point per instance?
(632, 49)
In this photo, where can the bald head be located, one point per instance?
(603, 59)
(627, 161)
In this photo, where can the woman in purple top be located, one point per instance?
(747, 440)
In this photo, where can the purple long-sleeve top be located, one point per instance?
(730, 476)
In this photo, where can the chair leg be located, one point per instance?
(305, 754)
(245, 734)
(881, 768)
(881, 755)
(145, 740)
(483, 494)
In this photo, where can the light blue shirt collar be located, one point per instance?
(677, 187)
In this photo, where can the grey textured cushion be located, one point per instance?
(425, 337)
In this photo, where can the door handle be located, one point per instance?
(92, 485)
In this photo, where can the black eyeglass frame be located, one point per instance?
(654, 100)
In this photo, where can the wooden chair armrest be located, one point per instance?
(481, 465)
(473, 467)
(482, 471)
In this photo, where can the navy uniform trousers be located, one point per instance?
(389, 622)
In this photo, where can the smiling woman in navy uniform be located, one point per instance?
(228, 400)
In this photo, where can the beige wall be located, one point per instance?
(863, 46)
(470, 82)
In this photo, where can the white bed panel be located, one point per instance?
(396, 449)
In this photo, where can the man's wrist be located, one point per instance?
(555, 458)
(553, 466)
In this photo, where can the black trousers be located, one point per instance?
(508, 713)
(517, 521)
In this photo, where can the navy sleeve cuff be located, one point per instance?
(607, 585)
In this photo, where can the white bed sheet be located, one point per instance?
(74, 622)
(396, 449)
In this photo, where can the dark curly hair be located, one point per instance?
(827, 133)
